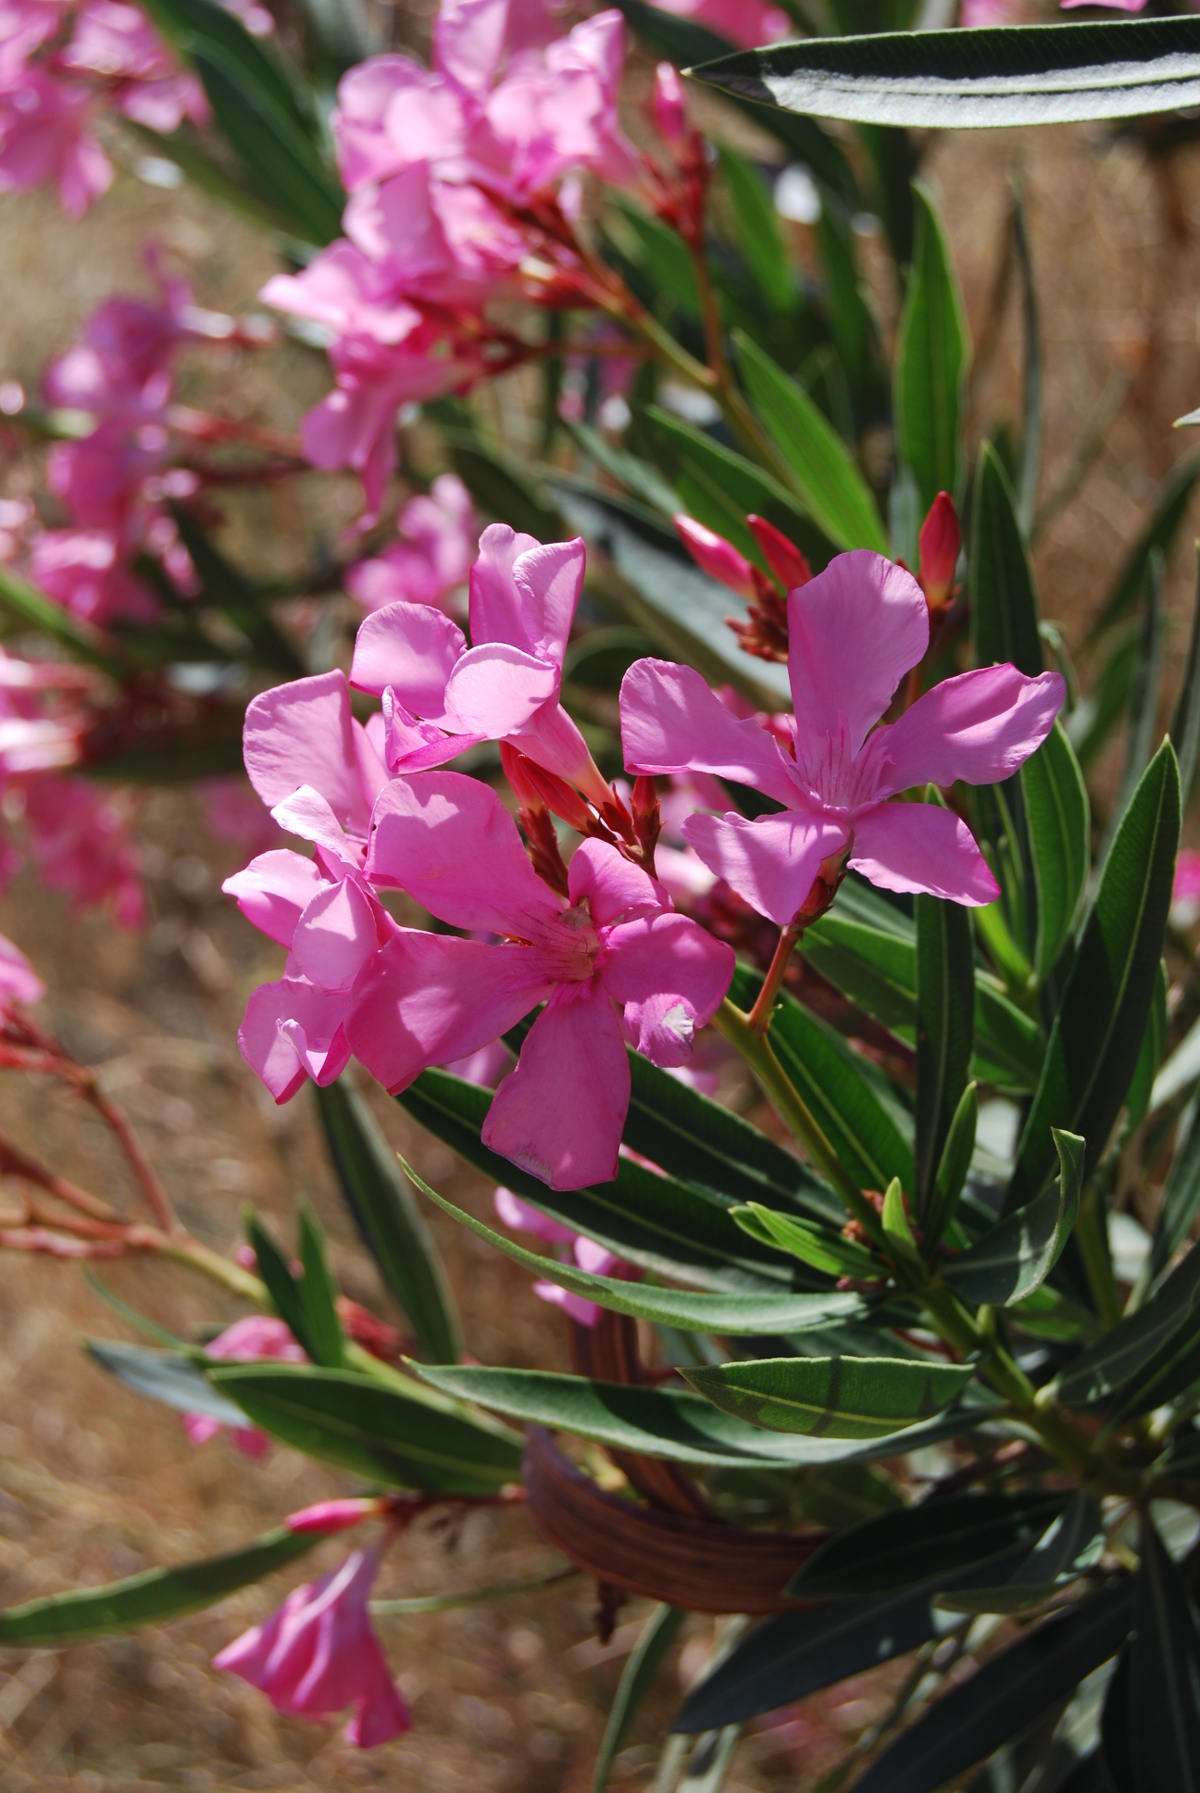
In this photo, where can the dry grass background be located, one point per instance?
(96, 1483)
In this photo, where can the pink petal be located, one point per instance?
(336, 936)
(978, 727)
(292, 1031)
(496, 607)
(615, 888)
(711, 552)
(431, 998)
(496, 689)
(301, 734)
(771, 862)
(412, 746)
(549, 582)
(576, 1307)
(412, 647)
(307, 814)
(854, 631)
(672, 976)
(273, 890)
(921, 847)
(670, 720)
(525, 1219)
(451, 844)
(554, 741)
(560, 1113)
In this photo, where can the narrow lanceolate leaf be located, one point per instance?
(945, 1029)
(831, 1397)
(1105, 1366)
(931, 362)
(1072, 1545)
(1018, 1255)
(952, 1170)
(658, 1634)
(761, 1312)
(318, 1295)
(1172, 1370)
(1181, 1194)
(1012, 75)
(389, 1221)
(149, 1598)
(1004, 615)
(820, 1246)
(1185, 717)
(681, 1428)
(659, 1223)
(167, 1376)
(226, 590)
(1005, 1695)
(1171, 506)
(915, 1544)
(282, 1286)
(374, 1429)
(833, 489)
(1097, 1034)
(1164, 1674)
(1058, 822)
(756, 226)
(31, 607)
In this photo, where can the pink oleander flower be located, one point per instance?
(854, 631)
(319, 1654)
(24, 26)
(441, 696)
(81, 569)
(259, 1338)
(234, 814)
(747, 23)
(118, 43)
(79, 834)
(1185, 892)
(45, 139)
(19, 982)
(610, 963)
(587, 1254)
(432, 560)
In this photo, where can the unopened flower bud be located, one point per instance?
(940, 541)
(781, 555)
(670, 114)
(329, 1516)
(715, 556)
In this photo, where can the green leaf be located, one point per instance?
(740, 1315)
(758, 234)
(206, 173)
(185, 23)
(945, 1017)
(663, 258)
(1071, 1546)
(1004, 615)
(831, 1397)
(1180, 1196)
(148, 1598)
(851, 319)
(657, 1222)
(952, 1170)
(1139, 1362)
(1097, 1033)
(1007, 1693)
(1018, 1255)
(837, 1087)
(318, 1294)
(641, 480)
(641, 572)
(282, 1286)
(1058, 822)
(794, 1654)
(1149, 1058)
(374, 1429)
(932, 352)
(833, 489)
(389, 1221)
(912, 1545)
(32, 608)
(1164, 1674)
(821, 1247)
(647, 1657)
(226, 590)
(1006, 75)
(1142, 703)
(1185, 717)
(896, 1228)
(681, 1428)
(1171, 505)
(167, 1376)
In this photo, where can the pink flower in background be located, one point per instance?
(976, 13)
(233, 813)
(319, 1654)
(441, 696)
(1185, 892)
(854, 631)
(747, 23)
(81, 570)
(613, 962)
(587, 1254)
(80, 836)
(439, 533)
(19, 982)
(118, 42)
(259, 1338)
(45, 140)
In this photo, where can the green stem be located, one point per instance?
(793, 1111)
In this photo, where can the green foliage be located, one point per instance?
(645, 1660)
(305, 1301)
(831, 1397)
(1004, 618)
(1017, 1256)
(932, 353)
(945, 1014)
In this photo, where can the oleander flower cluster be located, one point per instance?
(581, 932)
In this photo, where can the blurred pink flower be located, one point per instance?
(79, 835)
(438, 534)
(747, 23)
(45, 139)
(117, 42)
(854, 631)
(81, 570)
(614, 949)
(976, 13)
(587, 1254)
(1185, 893)
(259, 1338)
(319, 1654)
(19, 982)
(440, 696)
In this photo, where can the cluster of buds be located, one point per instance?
(765, 633)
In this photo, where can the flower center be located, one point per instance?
(577, 946)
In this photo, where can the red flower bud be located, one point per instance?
(670, 114)
(940, 541)
(715, 556)
(782, 556)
